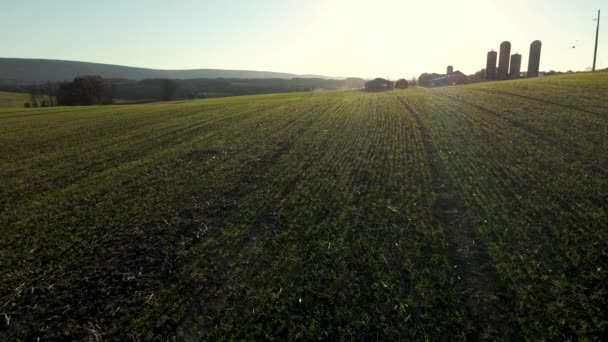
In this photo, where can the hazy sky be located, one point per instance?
(385, 38)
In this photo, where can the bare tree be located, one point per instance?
(84, 90)
(414, 81)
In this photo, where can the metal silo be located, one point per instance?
(515, 68)
(503, 60)
(450, 70)
(491, 66)
(534, 59)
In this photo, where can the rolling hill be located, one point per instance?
(460, 213)
(26, 71)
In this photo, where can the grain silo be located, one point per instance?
(450, 70)
(534, 59)
(503, 60)
(515, 67)
(491, 66)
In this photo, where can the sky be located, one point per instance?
(374, 38)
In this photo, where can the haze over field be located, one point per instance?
(387, 38)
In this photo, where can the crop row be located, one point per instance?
(292, 215)
(336, 239)
(540, 215)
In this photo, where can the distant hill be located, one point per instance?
(27, 71)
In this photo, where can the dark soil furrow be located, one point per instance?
(474, 277)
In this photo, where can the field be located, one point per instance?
(470, 212)
(9, 100)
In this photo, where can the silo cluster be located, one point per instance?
(509, 66)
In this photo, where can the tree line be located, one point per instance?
(82, 91)
(95, 90)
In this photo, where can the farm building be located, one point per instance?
(450, 78)
(378, 84)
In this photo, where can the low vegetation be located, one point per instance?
(460, 212)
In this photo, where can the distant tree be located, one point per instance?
(93, 87)
(84, 90)
(414, 82)
(98, 88)
(552, 73)
(378, 84)
(41, 95)
(479, 76)
(402, 83)
(424, 80)
(47, 95)
(34, 99)
(69, 95)
(167, 89)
